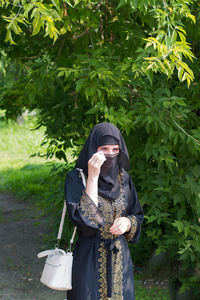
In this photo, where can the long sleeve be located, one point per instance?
(135, 215)
(81, 209)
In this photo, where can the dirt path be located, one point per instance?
(20, 241)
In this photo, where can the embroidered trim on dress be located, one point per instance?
(102, 272)
(91, 211)
(129, 235)
(117, 273)
(111, 211)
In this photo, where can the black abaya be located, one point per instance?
(102, 266)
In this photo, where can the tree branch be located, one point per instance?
(76, 37)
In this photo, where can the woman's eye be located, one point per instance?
(105, 149)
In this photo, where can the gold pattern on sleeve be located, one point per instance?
(129, 235)
(91, 211)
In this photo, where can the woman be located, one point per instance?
(107, 214)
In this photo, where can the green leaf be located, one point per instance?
(76, 2)
(80, 83)
(182, 36)
(178, 198)
(192, 17)
(152, 219)
(121, 3)
(27, 8)
(149, 74)
(174, 37)
(15, 27)
(196, 171)
(92, 110)
(179, 225)
(9, 38)
(68, 2)
(56, 3)
(180, 73)
(185, 66)
(90, 91)
(181, 29)
(37, 25)
(178, 100)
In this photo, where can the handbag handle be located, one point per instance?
(64, 213)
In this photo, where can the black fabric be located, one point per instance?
(110, 248)
(105, 134)
(109, 140)
(108, 183)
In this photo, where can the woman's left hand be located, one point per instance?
(120, 226)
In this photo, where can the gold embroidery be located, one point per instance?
(129, 235)
(117, 276)
(91, 211)
(102, 270)
(117, 273)
(111, 211)
(107, 209)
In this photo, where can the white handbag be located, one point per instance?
(57, 272)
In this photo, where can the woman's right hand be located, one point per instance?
(94, 164)
(94, 167)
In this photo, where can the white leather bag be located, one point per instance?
(57, 272)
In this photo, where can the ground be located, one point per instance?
(20, 241)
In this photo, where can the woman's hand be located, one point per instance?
(94, 165)
(120, 226)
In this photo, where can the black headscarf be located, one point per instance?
(105, 134)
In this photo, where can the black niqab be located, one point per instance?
(105, 134)
(108, 183)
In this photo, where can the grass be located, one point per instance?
(22, 174)
(18, 142)
(153, 293)
(31, 178)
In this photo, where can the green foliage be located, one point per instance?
(165, 42)
(132, 63)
